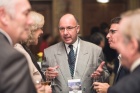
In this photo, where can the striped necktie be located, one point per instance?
(71, 60)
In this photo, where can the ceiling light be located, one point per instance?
(103, 1)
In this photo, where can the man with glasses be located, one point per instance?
(129, 48)
(113, 39)
(73, 60)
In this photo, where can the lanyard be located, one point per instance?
(75, 54)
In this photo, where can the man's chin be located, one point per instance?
(111, 46)
(68, 42)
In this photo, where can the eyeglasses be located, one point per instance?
(112, 31)
(69, 28)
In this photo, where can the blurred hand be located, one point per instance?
(48, 89)
(40, 88)
(99, 70)
(51, 72)
(101, 87)
(43, 89)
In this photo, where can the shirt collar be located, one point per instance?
(135, 65)
(119, 57)
(75, 44)
(7, 36)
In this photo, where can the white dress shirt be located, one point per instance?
(135, 65)
(119, 57)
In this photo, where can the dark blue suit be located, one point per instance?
(128, 84)
(119, 74)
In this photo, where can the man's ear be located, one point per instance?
(134, 45)
(78, 28)
(3, 16)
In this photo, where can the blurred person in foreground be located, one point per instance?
(33, 35)
(73, 59)
(129, 48)
(113, 39)
(14, 71)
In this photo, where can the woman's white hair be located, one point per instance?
(38, 22)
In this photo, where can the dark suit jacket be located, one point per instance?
(14, 71)
(87, 63)
(128, 84)
(121, 73)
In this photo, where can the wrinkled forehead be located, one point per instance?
(114, 28)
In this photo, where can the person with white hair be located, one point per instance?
(14, 72)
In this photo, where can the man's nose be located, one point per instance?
(65, 31)
(108, 35)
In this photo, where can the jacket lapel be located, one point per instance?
(82, 61)
(62, 61)
(117, 75)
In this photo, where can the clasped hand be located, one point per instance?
(101, 87)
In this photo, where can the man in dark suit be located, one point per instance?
(113, 39)
(129, 47)
(14, 71)
(121, 71)
(87, 57)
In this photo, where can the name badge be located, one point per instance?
(74, 86)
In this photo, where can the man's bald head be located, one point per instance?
(68, 28)
(69, 16)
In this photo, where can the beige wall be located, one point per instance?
(133, 4)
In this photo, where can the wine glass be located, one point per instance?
(47, 82)
(98, 79)
(39, 87)
(45, 65)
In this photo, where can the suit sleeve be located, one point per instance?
(15, 76)
(46, 63)
(106, 72)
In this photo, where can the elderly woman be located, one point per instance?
(23, 47)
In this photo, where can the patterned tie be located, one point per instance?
(71, 60)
